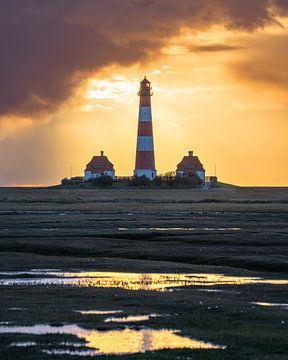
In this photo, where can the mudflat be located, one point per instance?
(209, 265)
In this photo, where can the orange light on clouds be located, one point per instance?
(200, 103)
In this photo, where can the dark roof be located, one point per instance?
(145, 80)
(99, 164)
(190, 164)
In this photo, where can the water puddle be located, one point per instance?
(131, 318)
(23, 344)
(113, 342)
(128, 281)
(178, 229)
(50, 229)
(33, 343)
(31, 272)
(39, 212)
(71, 352)
(99, 312)
(267, 304)
(212, 290)
(219, 291)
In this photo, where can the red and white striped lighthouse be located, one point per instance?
(145, 161)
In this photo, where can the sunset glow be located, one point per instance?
(219, 91)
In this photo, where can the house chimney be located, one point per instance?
(102, 153)
(190, 153)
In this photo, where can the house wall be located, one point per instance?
(110, 173)
(150, 174)
(201, 175)
(88, 175)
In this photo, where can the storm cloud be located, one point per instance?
(49, 47)
(262, 66)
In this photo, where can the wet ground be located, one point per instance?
(144, 274)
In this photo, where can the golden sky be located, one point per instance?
(219, 91)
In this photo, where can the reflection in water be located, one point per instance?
(178, 229)
(23, 344)
(130, 281)
(70, 352)
(126, 341)
(33, 343)
(219, 291)
(283, 306)
(98, 312)
(131, 318)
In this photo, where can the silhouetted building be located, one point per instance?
(145, 161)
(190, 166)
(99, 166)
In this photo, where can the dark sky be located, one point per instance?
(48, 47)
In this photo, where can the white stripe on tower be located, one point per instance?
(145, 113)
(145, 143)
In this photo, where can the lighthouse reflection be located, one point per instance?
(128, 281)
(129, 341)
(114, 342)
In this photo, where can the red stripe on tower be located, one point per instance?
(145, 161)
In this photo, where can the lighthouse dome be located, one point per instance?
(145, 80)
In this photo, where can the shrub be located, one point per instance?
(157, 181)
(103, 180)
(65, 182)
(140, 181)
(179, 181)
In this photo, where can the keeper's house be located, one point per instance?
(190, 166)
(99, 166)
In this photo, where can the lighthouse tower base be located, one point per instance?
(150, 174)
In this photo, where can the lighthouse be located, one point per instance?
(145, 161)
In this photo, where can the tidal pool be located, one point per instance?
(113, 342)
(178, 229)
(98, 312)
(128, 281)
(23, 344)
(267, 304)
(131, 318)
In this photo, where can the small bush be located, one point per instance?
(65, 182)
(184, 181)
(157, 181)
(140, 181)
(103, 180)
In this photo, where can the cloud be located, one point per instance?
(48, 48)
(265, 63)
(215, 48)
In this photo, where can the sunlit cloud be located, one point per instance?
(106, 93)
(156, 72)
(113, 88)
(175, 50)
(218, 72)
(263, 106)
(191, 90)
(11, 125)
